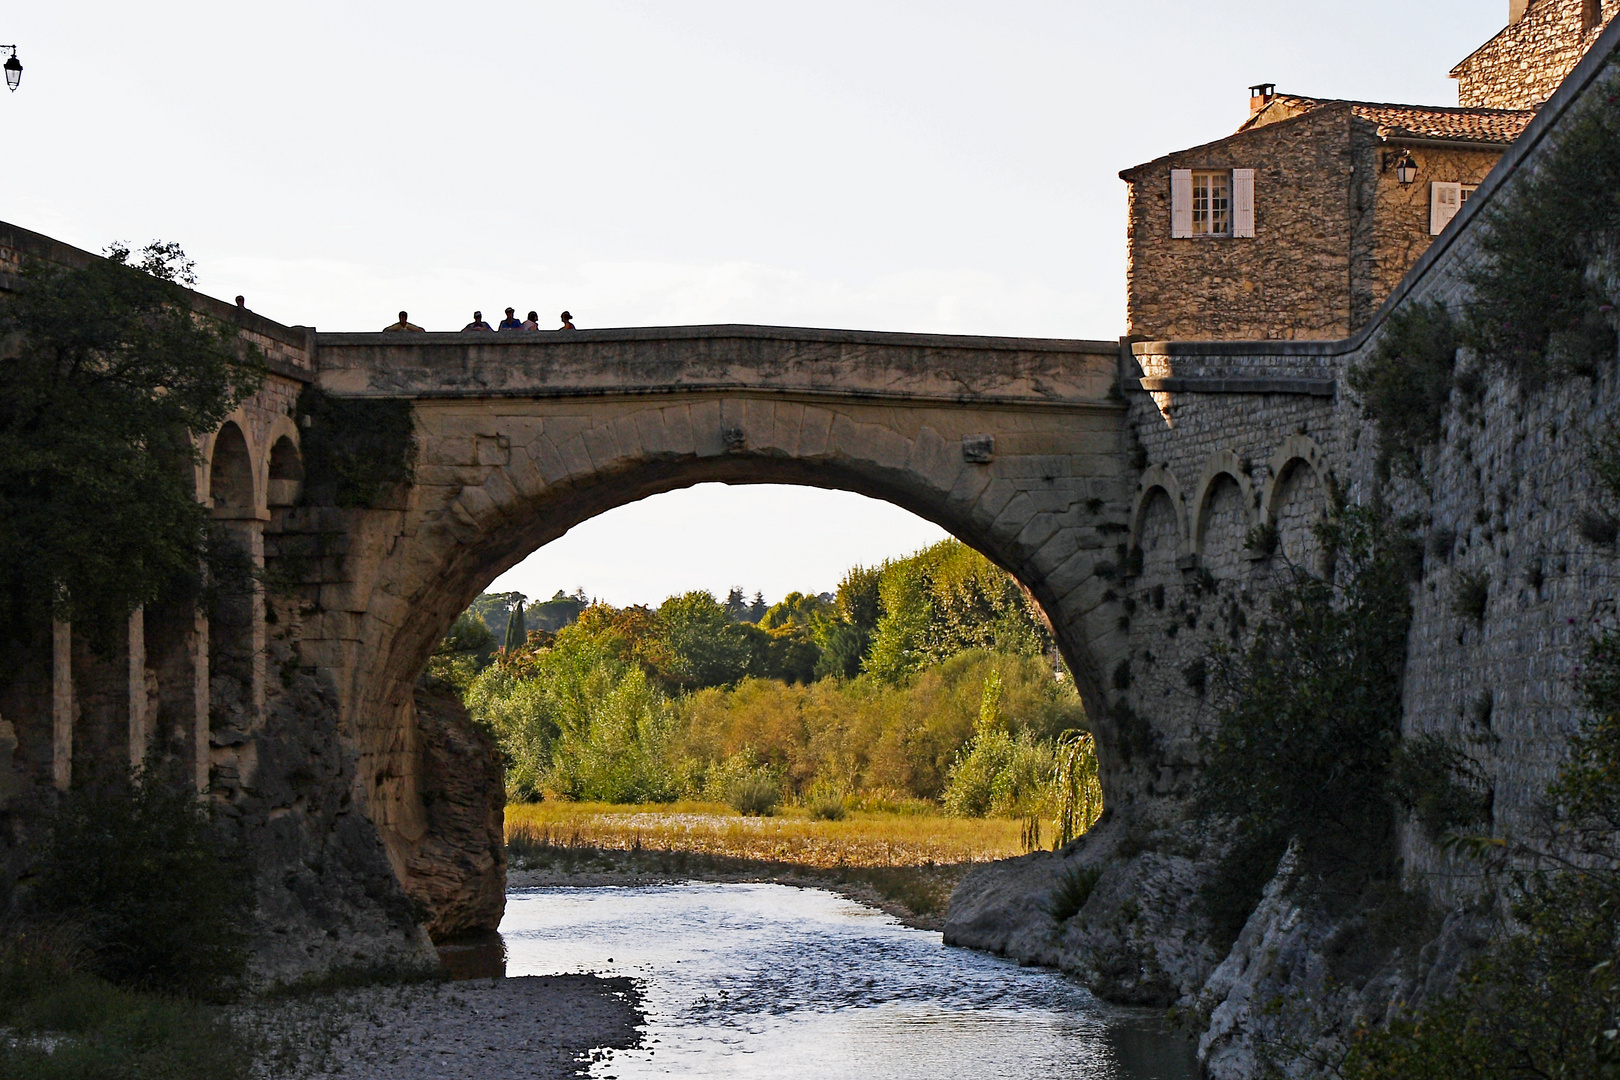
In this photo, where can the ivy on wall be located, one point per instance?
(355, 449)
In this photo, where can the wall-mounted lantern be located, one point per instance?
(13, 67)
(1405, 168)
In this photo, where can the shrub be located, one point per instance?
(64, 1024)
(161, 896)
(1308, 718)
(1076, 789)
(756, 793)
(355, 449)
(1073, 889)
(1544, 301)
(1405, 386)
(1440, 785)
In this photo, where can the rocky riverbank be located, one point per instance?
(536, 1026)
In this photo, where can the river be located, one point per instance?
(756, 980)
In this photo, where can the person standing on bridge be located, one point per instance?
(478, 323)
(568, 322)
(532, 322)
(511, 322)
(403, 324)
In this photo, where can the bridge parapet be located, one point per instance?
(730, 358)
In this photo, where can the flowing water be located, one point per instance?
(776, 981)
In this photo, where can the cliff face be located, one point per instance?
(456, 871)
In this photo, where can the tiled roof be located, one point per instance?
(1408, 121)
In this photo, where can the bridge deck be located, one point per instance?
(730, 358)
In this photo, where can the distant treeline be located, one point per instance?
(931, 677)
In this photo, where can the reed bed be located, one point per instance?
(860, 839)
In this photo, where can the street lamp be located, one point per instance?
(13, 67)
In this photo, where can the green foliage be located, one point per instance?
(1443, 788)
(750, 789)
(463, 652)
(1076, 788)
(1309, 718)
(145, 872)
(64, 1024)
(1544, 1000)
(707, 648)
(943, 600)
(1405, 385)
(1074, 888)
(556, 613)
(355, 450)
(1544, 301)
(108, 375)
(998, 773)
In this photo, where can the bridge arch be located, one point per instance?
(1048, 503)
(232, 491)
(1224, 514)
(1295, 497)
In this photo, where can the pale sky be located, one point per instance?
(945, 167)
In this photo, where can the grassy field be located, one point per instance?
(864, 838)
(906, 858)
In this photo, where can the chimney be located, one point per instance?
(1516, 10)
(1260, 94)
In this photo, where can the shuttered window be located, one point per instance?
(1208, 202)
(1243, 202)
(1445, 199)
(1180, 203)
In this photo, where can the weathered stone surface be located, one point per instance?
(1521, 66)
(457, 871)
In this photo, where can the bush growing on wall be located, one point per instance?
(1405, 386)
(1309, 716)
(1545, 301)
(1544, 1001)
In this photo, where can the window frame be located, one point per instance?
(1210, 211)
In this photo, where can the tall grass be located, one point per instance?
(862, 838)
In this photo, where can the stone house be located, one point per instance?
(1522, 65)
(1300, 223)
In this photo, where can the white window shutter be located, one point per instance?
(1180, 202)
(1243, 202)
(1445, 200)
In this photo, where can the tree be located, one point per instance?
(111, 374)
(516, 631)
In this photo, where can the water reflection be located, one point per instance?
(480, 954)
(756, 980)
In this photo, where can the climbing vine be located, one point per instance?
(355, 449)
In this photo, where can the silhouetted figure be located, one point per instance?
(532, 322)
(403, 324)
(241, 302)
(478, 323)
(511, 322)
(568, 322)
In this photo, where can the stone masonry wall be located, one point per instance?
(1391, 226)
(1289, 280)
(1498, 500)
(1522, 65)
